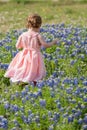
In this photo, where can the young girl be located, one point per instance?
(28, 64)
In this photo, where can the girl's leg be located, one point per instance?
(34, 83)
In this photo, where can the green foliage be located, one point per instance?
(3, 79)
(2, 110)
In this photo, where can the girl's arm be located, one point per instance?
(44, 44)
(19, 43)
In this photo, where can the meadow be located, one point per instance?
(59, 101)
(13, 15)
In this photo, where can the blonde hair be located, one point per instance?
(34, 21)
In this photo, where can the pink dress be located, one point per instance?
(28, 64)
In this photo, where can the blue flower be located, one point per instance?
(85, 83)
(42, 102)
(4, 66)
(37, 119)
(85, 119)
(84, 127)
(7, 105)
(58, 105)
(80, 121)
(70, 118)
(51, 127)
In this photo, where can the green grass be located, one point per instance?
(13, 15)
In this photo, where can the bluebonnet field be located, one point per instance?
(59, 102)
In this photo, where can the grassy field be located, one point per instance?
(13, 15)
(58, 102)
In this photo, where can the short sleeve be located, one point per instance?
(19, 43)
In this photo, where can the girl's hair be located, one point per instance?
(34, 21)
